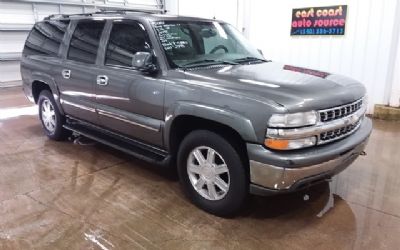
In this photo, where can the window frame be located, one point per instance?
(73, 25)
(107, 41)
(55, 54)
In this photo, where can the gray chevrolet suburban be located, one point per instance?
(193, 94)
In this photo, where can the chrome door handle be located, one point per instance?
(66, 73)
(102, 80)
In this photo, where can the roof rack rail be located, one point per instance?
(104, 11)
(56, 16)
(123, 11)
(53, 16)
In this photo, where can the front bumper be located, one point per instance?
(277, 172)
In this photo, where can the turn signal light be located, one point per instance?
(283, 144)
(277, 144)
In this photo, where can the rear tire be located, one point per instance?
(51, 118)
(212, 173)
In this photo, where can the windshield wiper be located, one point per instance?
(250, 59)
(206, 62)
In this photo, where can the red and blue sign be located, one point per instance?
(318, 21)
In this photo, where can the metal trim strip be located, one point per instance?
(124, 119)
(78, 106)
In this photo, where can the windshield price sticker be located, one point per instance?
(168, 38)
(329, 20)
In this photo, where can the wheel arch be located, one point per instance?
(41, 82)
(187, 117)
(37, 87)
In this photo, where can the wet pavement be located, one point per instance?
(66, 195)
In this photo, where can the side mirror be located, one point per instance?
(143, 61)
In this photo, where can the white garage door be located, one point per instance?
(18, 16)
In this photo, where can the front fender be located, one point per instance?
(242, 125)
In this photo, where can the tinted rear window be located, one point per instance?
(46, 38)
(85, 41)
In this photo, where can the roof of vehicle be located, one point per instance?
(152, 16)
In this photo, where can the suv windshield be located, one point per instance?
(197, 43)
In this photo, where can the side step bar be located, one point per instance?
(137, 149)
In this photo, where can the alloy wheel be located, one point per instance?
(208, 173)
(48, 115)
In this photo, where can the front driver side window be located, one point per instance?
(126, 39)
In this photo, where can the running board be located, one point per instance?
(137, 149)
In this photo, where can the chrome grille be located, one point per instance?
(334, 124)
(335, 113)
(339, 133)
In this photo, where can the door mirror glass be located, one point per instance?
(143, 61)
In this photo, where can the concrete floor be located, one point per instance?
(63, 195)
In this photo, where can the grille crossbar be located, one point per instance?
(335, 113)
(339, 133)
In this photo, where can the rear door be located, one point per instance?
(77, 75)
(130, 102)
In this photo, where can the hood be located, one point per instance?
(297, 89)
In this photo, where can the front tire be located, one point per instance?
(212, 173)
(51, 118)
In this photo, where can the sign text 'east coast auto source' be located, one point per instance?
(329, 20)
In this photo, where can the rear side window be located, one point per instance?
(46, 38)
(85, 41)
(126, 39)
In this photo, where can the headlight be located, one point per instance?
(365, 103)
(281, 144)
(293, 120)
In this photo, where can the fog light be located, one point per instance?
(282, 144)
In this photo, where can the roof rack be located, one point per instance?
(58, 16)
(123, 11)
(103, 11)
(54, 16)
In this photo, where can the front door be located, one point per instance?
(77, 74)
(129, 101)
